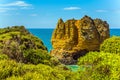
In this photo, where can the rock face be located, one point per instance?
(74, 38)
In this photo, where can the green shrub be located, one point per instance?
(10, 70)
(3, 56)
(6, 68)
(36, 56)
(19, 44)
(53, 62)
(111, 45)
(15, 78)
(100, 66)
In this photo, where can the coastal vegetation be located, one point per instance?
(24, 57)
(111, 45)
(103, 65)
(22, 46)
(11, 70)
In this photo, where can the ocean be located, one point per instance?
(45, 35)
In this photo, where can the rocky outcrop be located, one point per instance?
(74, 38)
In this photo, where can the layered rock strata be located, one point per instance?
(74, 38)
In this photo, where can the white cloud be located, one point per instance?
(16, 3)
(101, 10)
(72, 8)
(34, 15)
(26, 8)
(6, 9)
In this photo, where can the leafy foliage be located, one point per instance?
(3, 56)
(10, 70)
(36, 56)
(22, 46)
(100, 66)
(111, 45)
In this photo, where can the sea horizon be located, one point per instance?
(54, 28)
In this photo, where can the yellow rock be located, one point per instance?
(74, 37)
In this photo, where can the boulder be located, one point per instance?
(74, 38)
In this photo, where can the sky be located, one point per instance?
(45, 13)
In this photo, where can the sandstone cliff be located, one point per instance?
(74, 38)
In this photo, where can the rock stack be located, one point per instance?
(74, 38)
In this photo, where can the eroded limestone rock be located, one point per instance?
(74, 38)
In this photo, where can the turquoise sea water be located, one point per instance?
(45, 35)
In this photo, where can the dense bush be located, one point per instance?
(3, 56)
(19, 44)
(100, 66)
(111, 45)
(10, 70)
(36, 56)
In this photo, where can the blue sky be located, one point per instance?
(45, 13)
